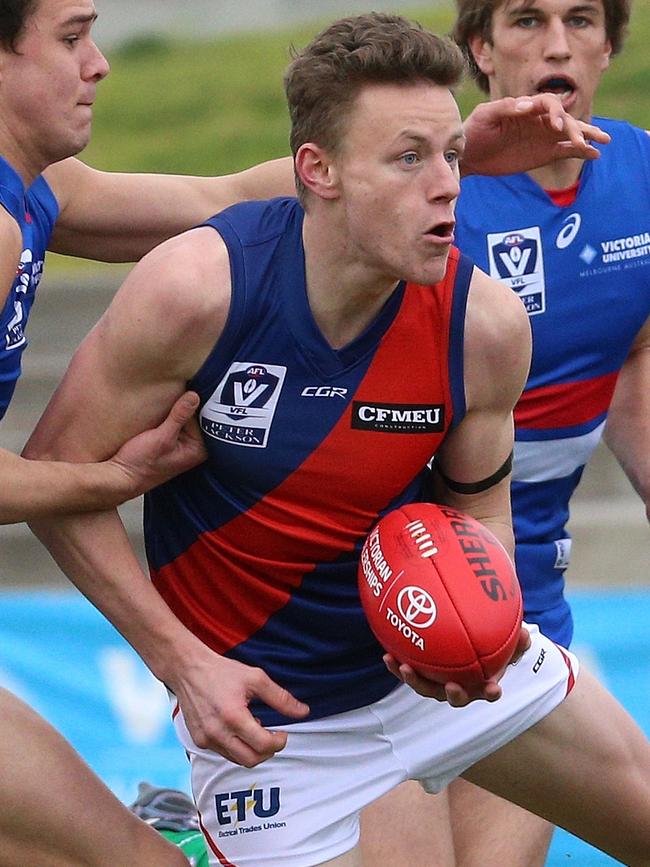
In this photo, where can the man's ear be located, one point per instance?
(482, 53)
(607, 55)
(316, 170)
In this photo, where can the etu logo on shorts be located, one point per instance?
(241, 806)
(516, 258)
(241, 408)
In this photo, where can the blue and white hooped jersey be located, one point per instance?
(35, 210)
(583, 273)
(256, 550)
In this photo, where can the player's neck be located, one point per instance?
(18, 158)
(344, 296)
(558, 175)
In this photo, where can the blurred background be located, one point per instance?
(197, 88)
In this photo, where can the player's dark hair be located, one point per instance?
(324, 79)
(13, 18)
(475, 18)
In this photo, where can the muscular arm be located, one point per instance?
(154, 336)
(497, 358)
(627, 432)
(31, 489)
(509, 135)
(118, 217)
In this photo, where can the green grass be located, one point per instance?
(217, 106)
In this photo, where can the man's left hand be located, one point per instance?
(511, 135)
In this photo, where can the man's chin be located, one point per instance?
(433, 272)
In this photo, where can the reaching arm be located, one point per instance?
(37, 489)
(627, 432)
(128, 371)
(32, 489)
(511, 135)
(118, 217)
(497, 358)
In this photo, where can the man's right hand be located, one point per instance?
(214, 697)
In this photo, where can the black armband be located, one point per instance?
(476, 487)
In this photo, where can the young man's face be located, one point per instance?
(398, 179)
(546, 45)
(47, 87)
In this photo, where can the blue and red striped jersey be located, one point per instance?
(256, 550)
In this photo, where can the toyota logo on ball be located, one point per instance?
(416, 606)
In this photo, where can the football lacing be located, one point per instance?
(422, 538)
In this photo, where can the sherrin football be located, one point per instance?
(440, 593)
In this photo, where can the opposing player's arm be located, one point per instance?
(627, 431)
(37, 489)
(32, 489)
(118, 217)
(509, 135)
(155, 335)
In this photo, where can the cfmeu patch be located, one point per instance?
(241, 408)
(516, 258)
(398, 417)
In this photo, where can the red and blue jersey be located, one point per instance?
(35, 210)
(256, 550)
(583, 273)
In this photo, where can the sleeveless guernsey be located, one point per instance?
(35, 210)
(256, 551)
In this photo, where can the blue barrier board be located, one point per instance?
(65, 660)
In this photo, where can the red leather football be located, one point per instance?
(440, 593)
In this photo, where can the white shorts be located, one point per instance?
(301, 807)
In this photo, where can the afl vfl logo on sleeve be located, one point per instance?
(242, 406)
(517, 260)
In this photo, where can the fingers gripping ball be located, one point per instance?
(440, 593)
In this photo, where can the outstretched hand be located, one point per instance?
(453, 693)
(155, 456)
(511, 135)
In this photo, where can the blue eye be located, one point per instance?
(527, 23)
(410, 159)
(451, 157)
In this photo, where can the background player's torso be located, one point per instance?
(583, 273)
(35, 211)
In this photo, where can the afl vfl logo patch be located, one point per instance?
(242, 406)
(411, 418)
(516, 258)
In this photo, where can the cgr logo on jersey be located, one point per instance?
(398, 417)
(516, 258)
(324, 391)
(242, 406)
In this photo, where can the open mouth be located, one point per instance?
(558, 84)
(443, 231)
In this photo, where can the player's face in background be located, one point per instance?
(398, 177)
(546, 45)
(48, 85)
